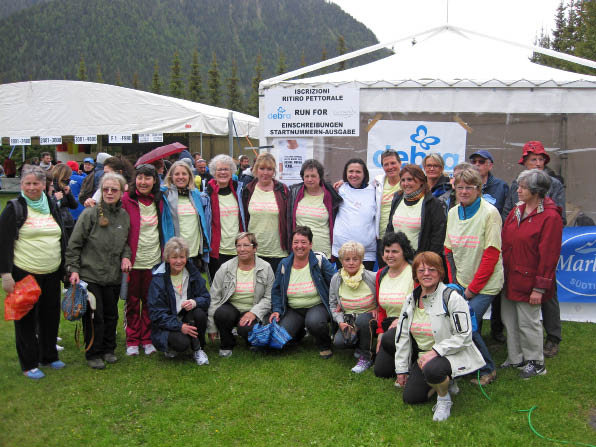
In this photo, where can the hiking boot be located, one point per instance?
(551, 348)
(200, 357)
(507, 364)
(362, 365)
(149, 349)
(109, 357)
(442, 409)
(326, 354)
(132, 350)
(533, 368)
(485, 379)
(225, 353)
(96, 363)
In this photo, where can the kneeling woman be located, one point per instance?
(300, 295)
(178, 302)
(353, 304)
(438, 324)
(240, 294)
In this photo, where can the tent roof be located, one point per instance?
(57, 108)
(449, 56)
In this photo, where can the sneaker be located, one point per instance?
(170, 354)
(485, 379)
(59, 348)
(96, 363)
(109, 357)
(132, 350)
(533, 368)
(551, 349)
(442, 409)
(362, 365)
(200, 357)
(34, 374)
(225, 353)
(508, 364)
(149, 349)
(453, 387)
(326, 354)
(58, 339)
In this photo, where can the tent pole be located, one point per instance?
(201, 140)
(230, 135)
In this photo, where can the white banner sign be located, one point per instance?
(85, 139)
(310, 112)
(151, 138)
(414, 140)
(20, 141)
(125, 138)
(47, 141)
(290, 155)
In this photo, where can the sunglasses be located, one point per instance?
(478, 161)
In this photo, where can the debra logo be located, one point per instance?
(280, 114)
(577, 265)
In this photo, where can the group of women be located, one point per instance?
(266, 248)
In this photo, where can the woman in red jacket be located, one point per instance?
(531, 247)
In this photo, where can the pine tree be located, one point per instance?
(324, 58)
(195, 83)
(176, 86)
(341, 49)
(82, 73)
(586, 34)
(98, 75)
(234, 97)
(541, 41)
(213, 83)
(156, 83)
(281, 63)
(136, 84)
(253, 101)
(302, 62)
(118, 78)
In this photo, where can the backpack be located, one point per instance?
(19, 214)
(459, 323)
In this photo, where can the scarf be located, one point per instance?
(145, 200)
(183, 192)
(352, 281)
(414, 196)
(40, 205)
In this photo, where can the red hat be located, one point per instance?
(73, 165)
(534, 147)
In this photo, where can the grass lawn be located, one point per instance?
(287, 399)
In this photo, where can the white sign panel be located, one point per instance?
(20, 141)
(311, 112)
(124, 139)
(151, 138)
(85, 139)
(290, 155)
(47, 141)
(414, 140)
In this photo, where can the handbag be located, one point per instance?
(279, 336)
(260, 335)
(74, 304)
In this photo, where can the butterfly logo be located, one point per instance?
(421, 138)
(280, 109)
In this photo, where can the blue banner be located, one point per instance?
(576, 270)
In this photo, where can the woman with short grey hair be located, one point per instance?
(531, 247)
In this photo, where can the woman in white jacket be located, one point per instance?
(437, 321)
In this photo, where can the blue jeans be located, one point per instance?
(479, 305)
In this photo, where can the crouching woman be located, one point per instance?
(434, 339)
(178, 302)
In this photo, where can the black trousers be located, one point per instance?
(385, 360)
(215, 264)
(365, 330)
(179, 342)
(102, 328)
(273, 262)
(226, 318)
(36, 332)
(315, 319)
(417, 387)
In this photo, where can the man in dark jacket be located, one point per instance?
(494, 190)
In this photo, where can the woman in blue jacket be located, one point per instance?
(178, 302)
(300, 295)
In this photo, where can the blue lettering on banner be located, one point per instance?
(576, 269)
(280, 114)
(424, 141)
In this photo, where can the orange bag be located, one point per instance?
(18, 303)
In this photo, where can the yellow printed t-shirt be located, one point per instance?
(243, 297)
(408, 219)
(357, 301)
(422, 331)
(264, 223)
(386, 199)
(228, 217)
(302, 292)
(148, 251)
(469, 238)
(190, 230)
(37, 250)
(311, 212)
(393, 291)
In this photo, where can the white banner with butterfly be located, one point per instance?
(414, 140)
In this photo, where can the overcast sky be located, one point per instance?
(517, 20)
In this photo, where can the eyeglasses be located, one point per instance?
(432, 166)
(465, 188)
(427, 269)
(244, 245)
(222, 170)
(478, 161)
(110, 190)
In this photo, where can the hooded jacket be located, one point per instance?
(131, 206)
